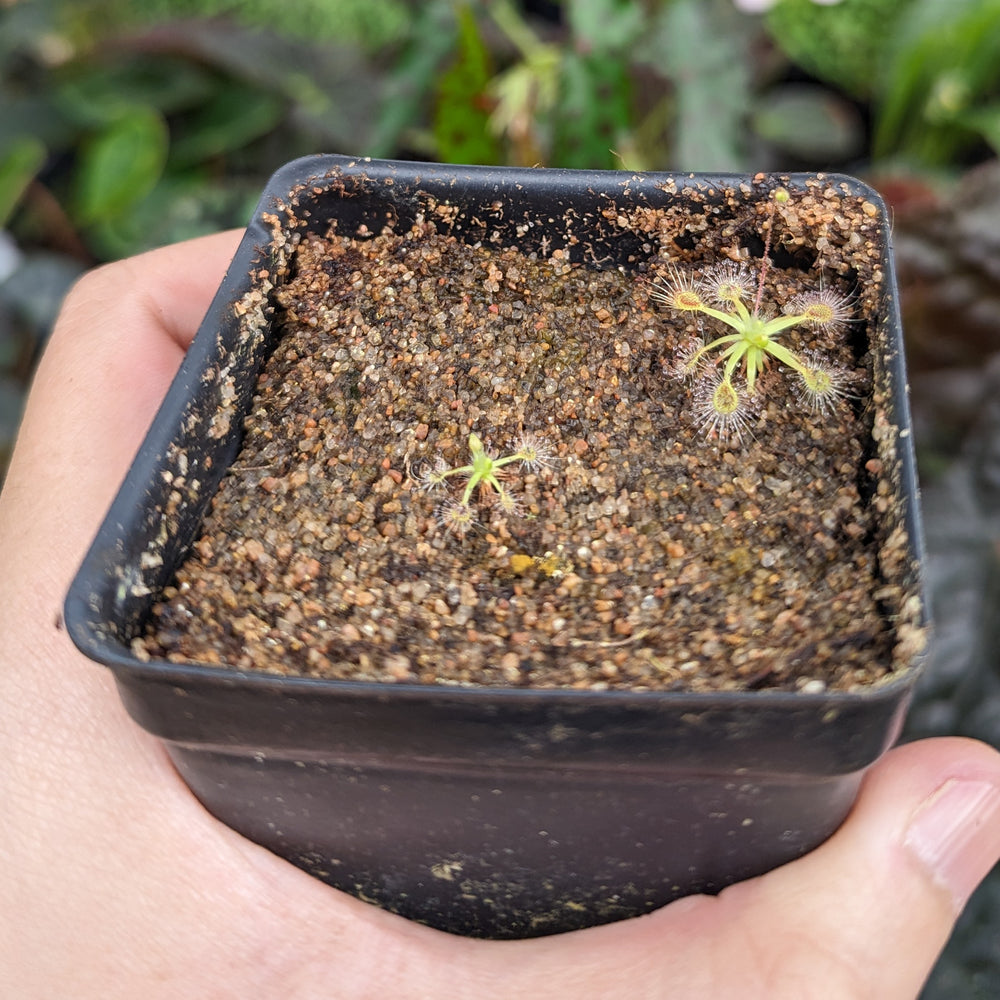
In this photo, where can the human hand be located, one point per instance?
(118, 885)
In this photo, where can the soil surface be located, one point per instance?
(646, 553)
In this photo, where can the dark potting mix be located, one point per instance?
(468, 464)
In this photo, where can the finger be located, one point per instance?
(890, 886)
(865, 915)
(119, 340)
(122, 333)
(120, 337)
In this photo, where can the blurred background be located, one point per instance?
(123, 129)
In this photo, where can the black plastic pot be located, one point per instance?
(497, 813)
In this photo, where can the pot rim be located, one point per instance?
(279, 196)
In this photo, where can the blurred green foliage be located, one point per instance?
(122, 129)
(369, 23)
(846, 43)
(126, 126)
(929, 70)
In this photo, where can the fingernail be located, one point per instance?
(956, 835)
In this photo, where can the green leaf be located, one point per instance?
(594, 111)
(95, 95)
(810, 122)
(23, 159)
(462, 107)
(701, 47)
(845, 44)
(234, 117)
(946, 61)
(353, 22)
(33, 115)
(180, 207)
(984, 120)
(433, 33)
(332, 93)
(605, 26)
(120, 165)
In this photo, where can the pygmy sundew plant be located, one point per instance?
(484, 471)
(726, 391)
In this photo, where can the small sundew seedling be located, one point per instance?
(728, 367)
(484, 472)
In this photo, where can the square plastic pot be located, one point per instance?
(486, 812)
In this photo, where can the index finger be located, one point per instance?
(118, 342)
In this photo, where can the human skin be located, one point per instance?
(117, 884)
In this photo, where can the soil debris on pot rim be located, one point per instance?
(644, 554)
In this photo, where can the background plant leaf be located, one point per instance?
(605, 26)
(594, 111)
(462, 107)
(179, 207)
(944, 60)
(94, 95)
(18, 167)
(809, 122)
(709, 77)
(845, 43)
(120, 165)
(412, 77)
(233, 117)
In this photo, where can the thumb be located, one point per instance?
(867, 914)
(863, 916)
